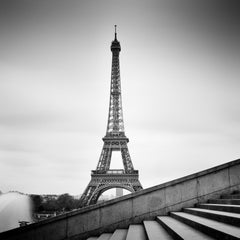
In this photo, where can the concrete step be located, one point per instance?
(136, 232)
(119, 234)
(92, 238)
(225, 201)
(220, 207)
(210, 227)
(155, 231)
(180, 230)
(105, 236)
(231, 196)
(226, 217)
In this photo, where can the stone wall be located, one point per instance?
(133, 208)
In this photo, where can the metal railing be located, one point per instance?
(114, 171)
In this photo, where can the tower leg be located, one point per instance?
(128, 166)
(88, 193)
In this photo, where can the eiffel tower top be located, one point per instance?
(115, 44)
(115, 125)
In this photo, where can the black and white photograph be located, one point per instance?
(119, 120)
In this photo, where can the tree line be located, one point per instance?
(61, 203)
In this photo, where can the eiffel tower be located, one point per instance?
(104, 178)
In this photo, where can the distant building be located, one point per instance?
(77, 196)
(47, 197)
(44, 215)
(119, 192)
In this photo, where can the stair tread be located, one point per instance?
(105, 236)
(228, 214)
(218, 204)
(155, 231)
(119, 234)
(222, 227)
(221, 207)
(183, 230)
(136, 231)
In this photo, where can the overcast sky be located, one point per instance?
(180, 69)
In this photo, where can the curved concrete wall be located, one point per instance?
(133, 208)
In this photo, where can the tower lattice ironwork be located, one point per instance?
(104, 178)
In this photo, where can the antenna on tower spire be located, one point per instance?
(115, 26)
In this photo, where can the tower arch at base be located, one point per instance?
(102, 182)
(103, 189)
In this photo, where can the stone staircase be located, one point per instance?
(217, 219)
